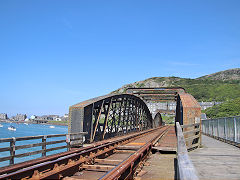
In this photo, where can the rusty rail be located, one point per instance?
(126, 169)
(69, 163)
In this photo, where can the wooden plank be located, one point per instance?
(190, 125)
(194, 145)
(98, 167)
(192, 131)
(55, 135)
(56, 148)
(79, 133)
(28, 138)
(124, 151)
(192, 137)
(108, 161)
(186, 169)
(28, 154)
(5, 158)
(38, 144)
(56, 142)
(28, 146)
(128, 147)
(76, 139)
(5, 149)
(38, 137)
(5, 140)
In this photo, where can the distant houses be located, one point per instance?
(47, 118)
(20, 117)
(3, 116)
(34, 118)
(170, 107)
(205, 105)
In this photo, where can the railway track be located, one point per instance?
(116, 158)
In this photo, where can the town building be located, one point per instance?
(20, 117)
(3, 116)
(167, 106)
(205, 105)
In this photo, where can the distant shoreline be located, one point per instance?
(31, 122)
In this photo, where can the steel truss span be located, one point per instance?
(110, 115)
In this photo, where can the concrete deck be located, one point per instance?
(216, 160)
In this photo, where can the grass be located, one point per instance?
(168, 119)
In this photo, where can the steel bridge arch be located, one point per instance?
(157, 119)
(110, 115)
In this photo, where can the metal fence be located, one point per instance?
(227, 128)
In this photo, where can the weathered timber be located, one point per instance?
(128, 147)
(194, 145)
(69, 139)
(190, 125)
(191, 138)
(125, 151)
(56, 148)
(108, 161)
(186, 170)
(192, 131)
(97, 167)
(28, 154)
(5, 158)
(5, 149)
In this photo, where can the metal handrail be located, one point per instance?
(226, 129)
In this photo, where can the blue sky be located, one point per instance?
(56, 53)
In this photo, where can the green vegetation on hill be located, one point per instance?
(226, 109)
(221, 86)
(211, 90)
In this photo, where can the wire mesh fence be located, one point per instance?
(227, 128)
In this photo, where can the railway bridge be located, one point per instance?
(123, 139)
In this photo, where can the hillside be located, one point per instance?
(226, 109)
(220, 86)
(228, 75)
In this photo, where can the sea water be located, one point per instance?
(30, 130)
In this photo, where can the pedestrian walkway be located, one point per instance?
(216, 160)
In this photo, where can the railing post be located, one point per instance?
(82, 140)
(218, 127)
(235, 129)
(209, 127)
(212, 129)
(225, 129)
(12, 150)
(44, 145)
(68, 141)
